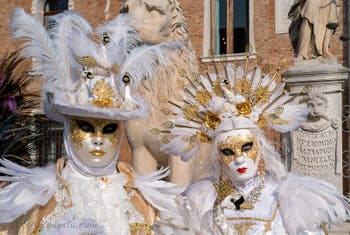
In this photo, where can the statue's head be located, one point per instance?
(318, 104)
(157, 21)
(94, 142)
(239, 154)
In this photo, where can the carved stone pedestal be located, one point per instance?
(315, 149)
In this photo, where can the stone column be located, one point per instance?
(315, 149)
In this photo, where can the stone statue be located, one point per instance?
(313, 23)
(317, 134)
(157, 22)
(317, 118)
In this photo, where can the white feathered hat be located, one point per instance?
(231, 99)
(85, 73)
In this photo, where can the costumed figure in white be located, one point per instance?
(86, 87)
(252, 192)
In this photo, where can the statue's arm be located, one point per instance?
(295, 10)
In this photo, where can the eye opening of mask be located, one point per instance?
(85, 126)
(227, 152)
(110, 128)
(248, 146)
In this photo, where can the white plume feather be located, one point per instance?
(143, 60)
(29, 187)
(307, 202)
(38, 45)
(123, 37)
(61, 35)
(294, 113)
(82, 46)
(160, 194)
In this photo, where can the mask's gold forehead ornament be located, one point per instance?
(231, 97)
(235, 146)
(82, 129)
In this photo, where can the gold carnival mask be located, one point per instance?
(94, 141)
(239, 145)
(84, 128)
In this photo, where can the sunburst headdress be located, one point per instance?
(233, 98)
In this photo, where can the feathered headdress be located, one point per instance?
(234, 98)
(87, 74)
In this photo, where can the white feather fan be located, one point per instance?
(29, 187)
(307, 202)
(160, 194)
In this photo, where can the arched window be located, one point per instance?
(53, 7)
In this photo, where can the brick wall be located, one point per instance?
(269, 45)
(272, 47)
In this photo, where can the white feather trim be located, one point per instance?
(294, 113)
(307, 202)
(38, 45)
(142, 61)
(61, 35)
(198, 206)
(29, 187)
(160, 194)
(120, 33)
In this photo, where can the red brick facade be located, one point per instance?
(269, 45)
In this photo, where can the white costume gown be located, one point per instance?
(265, 218)
(95, 204)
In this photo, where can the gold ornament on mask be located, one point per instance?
(244, 108)
(261, 95)
(217, 88)
(78, 135)
(275, 117)
(86, 61)
(243, 86)
(104, 93)
(212, 120)
(204, 137)
(235, 144)
(261, 121)
(193, 141)
(203, 97)
(223, 189)
(190, 112)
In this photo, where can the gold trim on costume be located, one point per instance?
(139, 226)
(267, 222)
(223, 189)
(242, 228)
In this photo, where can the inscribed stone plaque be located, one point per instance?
(281, 17)
(315, 153)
